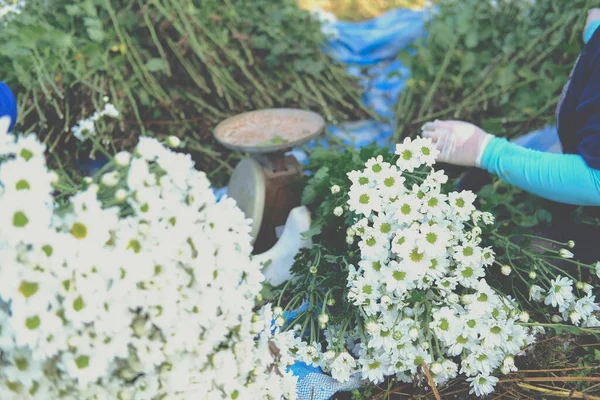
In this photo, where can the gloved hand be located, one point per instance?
(591, 24)
(459, 143)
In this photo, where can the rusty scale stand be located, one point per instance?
(261, 182)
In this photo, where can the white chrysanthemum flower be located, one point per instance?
(364, 201)
(536, 293)
(343, 367)
(409, 155)
(560, 293)
(426, 150)
(482, 384)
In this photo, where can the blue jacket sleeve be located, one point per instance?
(565, 178)
(590, 29)
(8, 104)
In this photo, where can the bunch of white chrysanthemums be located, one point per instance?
(578, 310)
(420, 284)
(87, 127)
(142, 288)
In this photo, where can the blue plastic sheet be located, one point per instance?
(380, 39)
(8, 104)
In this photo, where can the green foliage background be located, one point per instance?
(170, 66)
(502, 67)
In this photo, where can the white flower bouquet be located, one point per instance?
(139, 287)
(403, 282)
(420, 283)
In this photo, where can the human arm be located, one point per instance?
(565, 178)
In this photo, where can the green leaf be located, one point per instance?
(322, 173)
(156, 64)
(89, 8)
(313, 231)
(321, 154)
(471, 39)
(309, 194)
(73, 10)
(405, 58)
(94, 29)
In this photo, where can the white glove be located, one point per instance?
(459, 143)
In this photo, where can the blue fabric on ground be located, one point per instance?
(379, 39)
(8, 105)
(313, 384)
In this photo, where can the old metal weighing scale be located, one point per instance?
(261, 182)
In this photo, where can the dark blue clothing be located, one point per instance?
(578, 113)
(8, 104)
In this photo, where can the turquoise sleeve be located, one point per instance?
(590, 29)
(564, 178)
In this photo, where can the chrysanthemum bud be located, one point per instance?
(110, 179)
(579, 285)
(335, 189)
(532, 275)
(173, 142)
(259, 298)
(323, 319)
(574, 317)
(279, 321)
(373, 327)
(331, 302)
(385, 301)
(105, 99)
(94, 188)
(277, 310)
(88, 180)
(524, 316)
(338, 211)
(586, 288)
(122, 158)
(564, 253)
(509, 363)
(453, 298)
(425, 345)
(313, 269)
(556, 319)
(53, 177)
(349, 239)
(120, 194)
(466, 299)
(413, 333)
(436, 368)
(329, 355)
(397, 336)
(506, 270)
(571, 244)
(350, 232)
